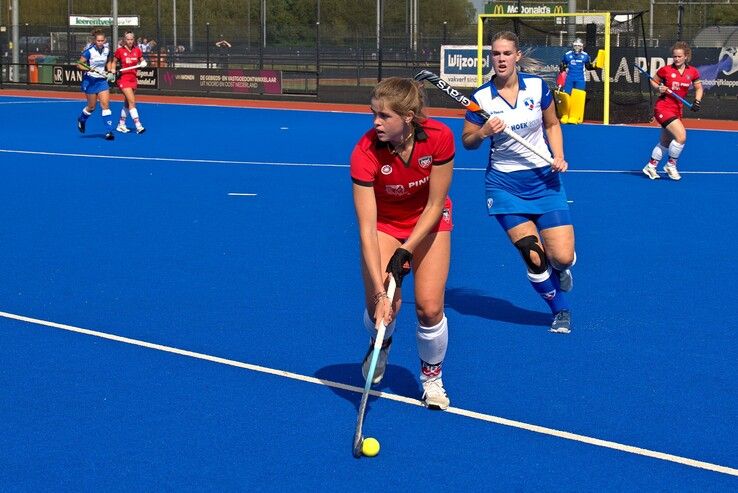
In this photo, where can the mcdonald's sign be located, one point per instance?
(507, 8)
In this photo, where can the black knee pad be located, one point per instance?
(530, 244)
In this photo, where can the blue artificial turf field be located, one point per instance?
(230, 233)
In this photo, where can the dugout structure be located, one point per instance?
(545, 37)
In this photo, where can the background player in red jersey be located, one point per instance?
(677, 78)
(129, 55)
(401, 171)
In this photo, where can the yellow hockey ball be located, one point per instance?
(370, 447)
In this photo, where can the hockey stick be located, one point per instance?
(133, 67)
(358, 436)
(96, 70)
(474, 107)
(668, 91)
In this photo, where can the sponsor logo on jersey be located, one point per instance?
(519, 126)
(549, 295)
(396, 190)
(417, 183)
(425, 161)
(529, 103)
(489, 202)
(446, 214)
(386, 169)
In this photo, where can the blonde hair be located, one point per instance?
(526, 62)
(402, 96)
(684, 46)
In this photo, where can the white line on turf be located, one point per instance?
(236, 194)
(398, 398)
(307, 165)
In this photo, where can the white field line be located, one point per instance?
(306, 165)
(398, 398)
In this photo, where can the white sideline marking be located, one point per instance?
(236, 194)
(398, 398)
(307, 165)
(174, 160)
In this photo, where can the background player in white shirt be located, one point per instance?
(96, 63)
(524, 192)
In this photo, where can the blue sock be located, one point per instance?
(108, 119)
(84, 115)
(547, 285)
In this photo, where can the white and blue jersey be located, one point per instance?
(517, 181)
(94, 82)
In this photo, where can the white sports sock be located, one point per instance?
(123, 115)
(657, 154)
(433, 342)
(369, 326)
(675, 150)
(84, 110)
(134, 115)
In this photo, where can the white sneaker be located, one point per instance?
(381, 361)
(650, 171)
(672, 172)
(140, 129)
(561, 323)
(566, 280)
(434, 395)
(122, 129)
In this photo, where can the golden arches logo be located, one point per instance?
(558, 9)
(499, 9)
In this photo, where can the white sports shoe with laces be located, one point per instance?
(650, 171)
(434, 395)
(672, 172)
(122, 129)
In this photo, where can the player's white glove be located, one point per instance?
(111, 77)
(142, 63)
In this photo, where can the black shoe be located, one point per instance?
(109, 136)
(81, 125)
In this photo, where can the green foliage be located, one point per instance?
(726, 15)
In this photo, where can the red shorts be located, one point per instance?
(128, 83)
(402, 232)
(666, 112)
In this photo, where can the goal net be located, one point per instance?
(614, 92)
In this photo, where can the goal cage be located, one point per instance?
(615, 92)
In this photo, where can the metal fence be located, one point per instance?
(323, 60)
